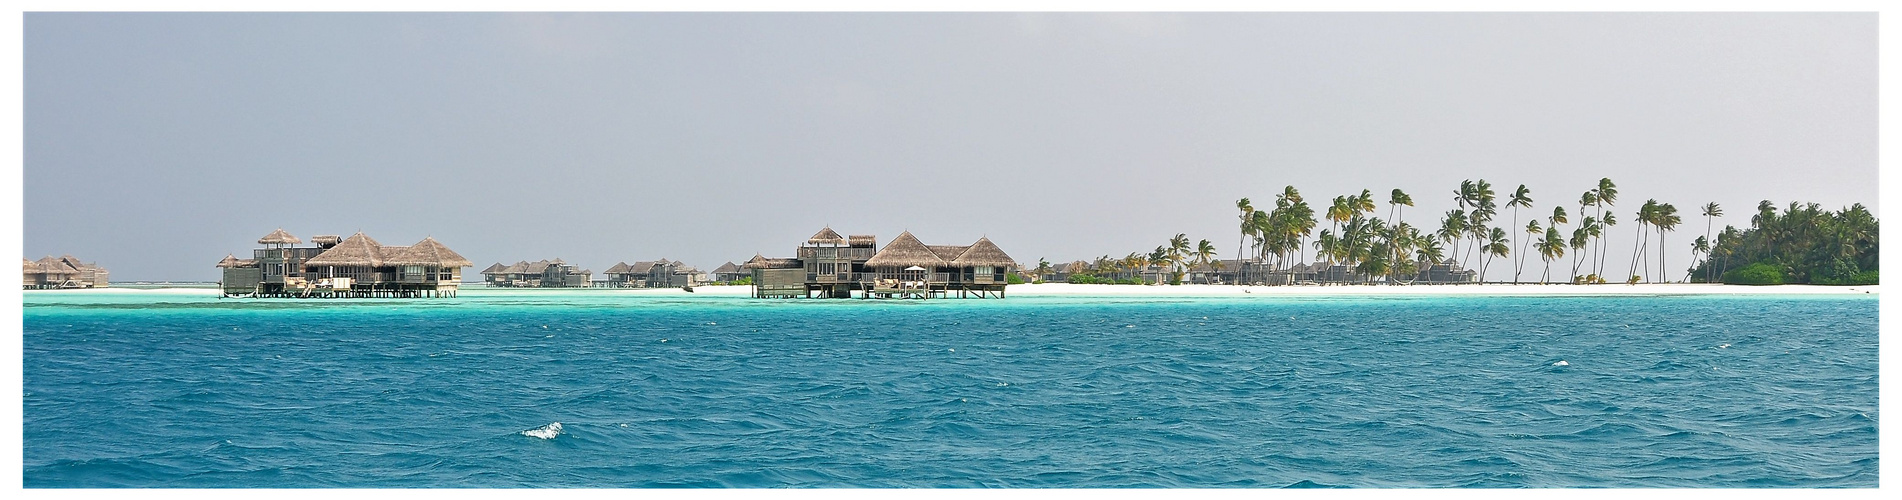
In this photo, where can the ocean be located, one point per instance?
(511, 389)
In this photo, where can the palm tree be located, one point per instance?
(1699, 247)
(1178, 253)
(1483, 210)
(1589, 198)
(1610, 219)
(1711, 213)
(1646, 213)
(1453, 228)
(1395, 200)
(1580, 237)
(1532, 232)
(1496, 246)
(1591, 228)
(1606, 194)
(1521, 197)
(1248, 217)
(1043, 269)
(1666, 220)
(1558, 217)
(1552, 246)
(1204, 255)
(1429, 251)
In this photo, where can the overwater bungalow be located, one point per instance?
(829, 265)
(539, 274)
(64, 271)
(337, 267)
(661, 273)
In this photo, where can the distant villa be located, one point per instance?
(343, 267)
(661, 273)
(64, 271)
(832, 266)
(539, 274)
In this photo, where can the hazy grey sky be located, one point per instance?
(157, 143)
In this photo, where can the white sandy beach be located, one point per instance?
(1070, 290)
(1503, 290)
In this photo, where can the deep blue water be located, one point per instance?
(170, 390)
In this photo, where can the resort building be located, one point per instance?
(832, 266)
(539, 274)
(661, 273)
(730, 272)
(64, 271)
(343, 267)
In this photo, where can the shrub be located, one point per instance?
(1083, 279)
(1013, 279)
(1755, 274)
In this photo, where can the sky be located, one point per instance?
(157, 143)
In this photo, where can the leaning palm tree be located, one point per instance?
(1496, 246)
(1646, 214)
(1552, 246)
(1521, 197)
(1394, 201)
(1453, 228)
(1606, 194)
(1532, 232)
(1667, 220)
(1043, 269)
(1581, 236)
(1585, 200)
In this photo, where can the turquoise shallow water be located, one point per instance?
(172, 390)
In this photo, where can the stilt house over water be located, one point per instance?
(343, 267)
(539, 274)
(64, 271)
(834, 266)
(661, 273)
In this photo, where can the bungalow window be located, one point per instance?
(983, 270)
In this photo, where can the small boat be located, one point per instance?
(688, 288)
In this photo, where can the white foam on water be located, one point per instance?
(1561, 363)
(544, 432)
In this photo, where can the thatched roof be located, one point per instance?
(229, 261)
(948, 252)
(325, 239)
(428, 252)
(279, 237)
(52, 265)
(984, 253)
(728, 267)
(826, 237)
(862, 240)
(760, 262)
(494, 268)
(617, 268)
(905, 251)
(357, 250)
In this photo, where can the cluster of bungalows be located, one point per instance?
(64, 271)
(661, 273)
(832, 266)
(343, 267)
(1256, 272)
(539, 274)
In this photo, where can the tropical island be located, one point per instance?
(1805, 244)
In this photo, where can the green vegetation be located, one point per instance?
(1013, 279)
(1804, 244)
(1755, 274)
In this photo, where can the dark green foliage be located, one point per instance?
(1760, 273)
(1084, 279)
(1013, 279)
(1803, 244)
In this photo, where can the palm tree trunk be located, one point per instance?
(1634, 249)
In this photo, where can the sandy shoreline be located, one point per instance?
(1070, 290)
